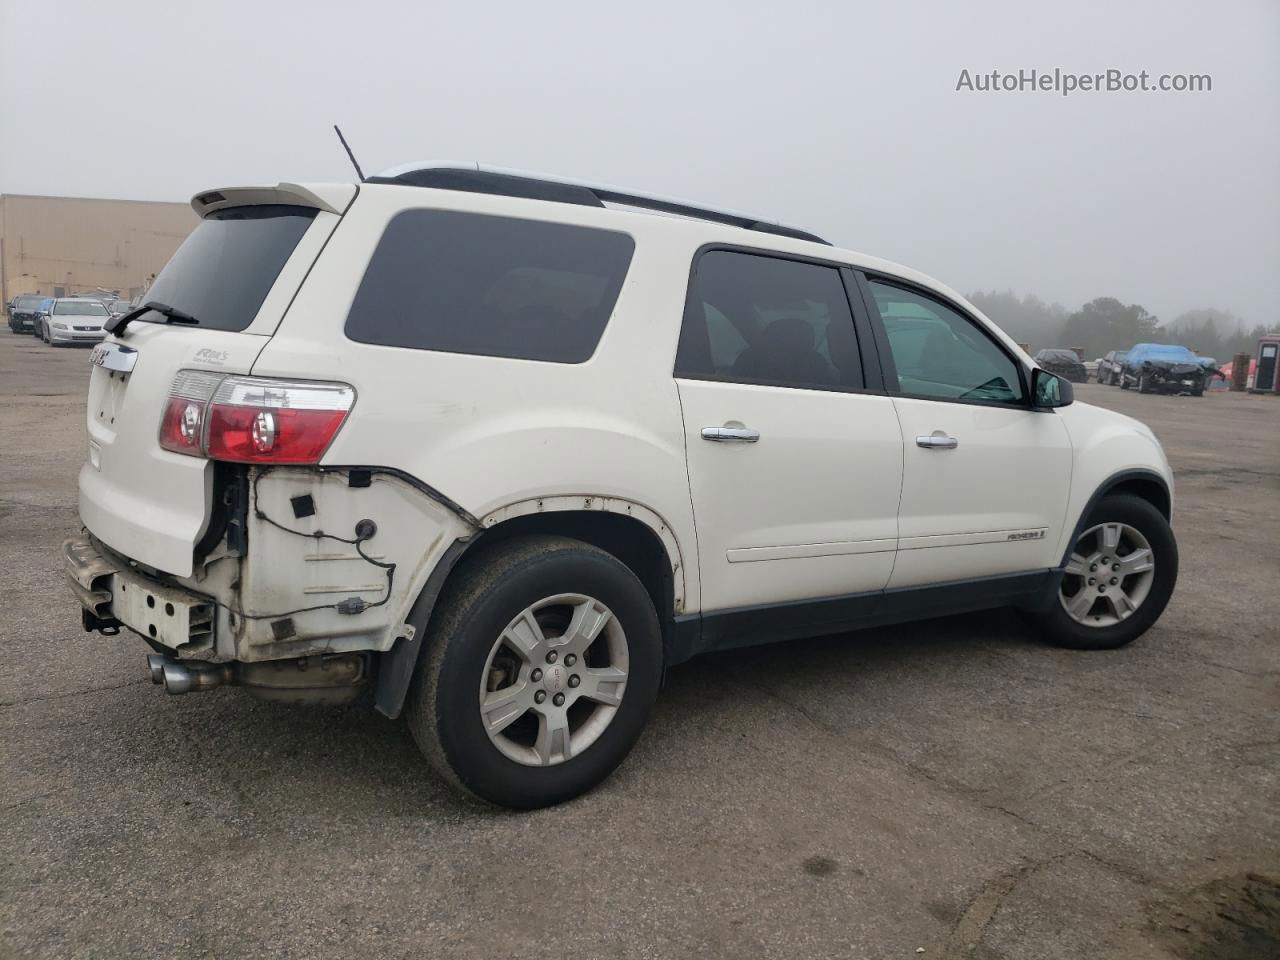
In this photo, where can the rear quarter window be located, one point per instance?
(468, 283)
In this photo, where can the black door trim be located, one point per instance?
(773, 622)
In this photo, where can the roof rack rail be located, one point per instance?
(475, 178)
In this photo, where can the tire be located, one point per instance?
(1124, 383)
(484, 603)
(1142, 383)
(1060, 628)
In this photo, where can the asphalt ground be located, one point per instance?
(954, 786)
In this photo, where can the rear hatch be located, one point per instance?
(236, 274)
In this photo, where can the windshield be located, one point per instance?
(80, 308)
(1161, 351)
(1063, 356)
(224, 270)
(28, 303)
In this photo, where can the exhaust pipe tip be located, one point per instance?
(155, 667)
(177, 678)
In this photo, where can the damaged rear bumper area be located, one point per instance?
(113, 596)
(309, 581)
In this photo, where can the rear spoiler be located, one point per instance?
(330, 197)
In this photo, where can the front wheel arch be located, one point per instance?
(1144, 484)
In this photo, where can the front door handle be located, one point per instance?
(730, 434)
(937, 441)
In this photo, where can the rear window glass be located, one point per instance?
(495, 286)
(224, 270)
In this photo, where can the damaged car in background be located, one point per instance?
(478, 446)
(1164, 368)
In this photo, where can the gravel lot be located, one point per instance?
(953, 786)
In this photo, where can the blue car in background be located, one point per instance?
(1164, 368)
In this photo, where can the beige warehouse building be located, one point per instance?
(64, 246)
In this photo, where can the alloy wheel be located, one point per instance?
(554, 679)
(1109, 575)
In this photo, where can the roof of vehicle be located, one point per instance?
(482, 178)
(1059, 353)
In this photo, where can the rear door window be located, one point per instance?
(768, 320)
(492, 286)
(227, 266)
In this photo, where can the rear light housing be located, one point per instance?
(253, 419)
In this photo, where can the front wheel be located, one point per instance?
(1118, 579)
(1124, 382)
(1142, 383)
(541, 666)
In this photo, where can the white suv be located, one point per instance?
(498, 452)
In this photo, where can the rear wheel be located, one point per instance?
(1119, 577)
(540, 669)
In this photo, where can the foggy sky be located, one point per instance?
(839, 117)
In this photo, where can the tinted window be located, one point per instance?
(760, 319)
(496, 286)
(940, 353)
(224, 270)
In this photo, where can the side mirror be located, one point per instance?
(1049, 390)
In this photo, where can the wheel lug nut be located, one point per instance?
(558, 699)
(551, 656)
(1116, 568)
(1106, 560)
(570, 659)
(536, 675)
(1093, 567)
(1102, 588)
(574, 680)
(539, 696)
(1114, 581)
(1092, 581)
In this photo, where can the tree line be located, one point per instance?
(1106, 324)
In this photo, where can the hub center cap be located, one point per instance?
(554, 678)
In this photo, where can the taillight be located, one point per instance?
(252, 419)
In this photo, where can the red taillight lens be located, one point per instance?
(182, 425)
(253, 419)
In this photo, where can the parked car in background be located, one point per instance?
(1164, 368)
(1063, 362)
(817, 441)
(1110, 366)
(24, 311)
(74, 320)
(119, 308)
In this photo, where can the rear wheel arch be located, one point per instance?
(635, 535)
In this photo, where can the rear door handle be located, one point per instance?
(937, 441)
(730, 434)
